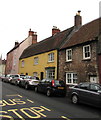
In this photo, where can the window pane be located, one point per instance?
(86, 51)
(68, 54)
(71, 78)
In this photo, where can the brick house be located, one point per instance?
(14, 54)
(78, 57)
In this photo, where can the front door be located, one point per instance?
(93, 79)
(41, 75)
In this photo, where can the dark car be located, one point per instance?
(50, 87)
(89, 93)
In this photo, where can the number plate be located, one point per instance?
(60, 87)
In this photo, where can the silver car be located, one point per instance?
(16, 78)
(29, 82)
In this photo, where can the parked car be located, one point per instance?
(29, 82)
(16, 78)
(7, 78)
(50, 87)
(88, 93)
(2, 77)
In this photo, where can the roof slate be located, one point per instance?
(47, 44)
(87, 32)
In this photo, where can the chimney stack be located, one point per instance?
(33, 35)
(16, 43)
(55, 30)
(78, 20)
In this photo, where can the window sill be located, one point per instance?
(88, 59)
(50, 61)
(69, 61)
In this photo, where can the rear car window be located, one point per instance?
(57, 82)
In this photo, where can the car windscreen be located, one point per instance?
(22, 76)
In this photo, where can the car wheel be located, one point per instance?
(16, 83)
(26, 86)
(36, 89)
(75, 99)
(19, 84)
(48, 93)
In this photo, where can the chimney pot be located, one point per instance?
(55, 30)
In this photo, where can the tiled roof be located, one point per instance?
(47, 44)
(87, 32)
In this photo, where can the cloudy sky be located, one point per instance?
(18, 16)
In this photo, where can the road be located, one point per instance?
(16, 102)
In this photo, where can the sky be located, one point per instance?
(18, 16)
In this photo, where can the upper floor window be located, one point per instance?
(22, 63)
(36, 59)
(51, 57)
(86, 52)
(69, 55)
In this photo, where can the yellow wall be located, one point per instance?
(29, 66)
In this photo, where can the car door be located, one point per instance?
(83, 92)
(94, 95)
(41, 85)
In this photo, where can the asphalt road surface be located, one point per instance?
(18, 103)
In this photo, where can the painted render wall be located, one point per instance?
(30, 67)
(17, 53)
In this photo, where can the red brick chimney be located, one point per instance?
(55, 30)
(34, 36)
(78, 20)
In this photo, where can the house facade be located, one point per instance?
(42, 65)
(78, 57)
(41, 59)
(14, 54)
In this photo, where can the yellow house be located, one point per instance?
(41, 59)
(41, 65)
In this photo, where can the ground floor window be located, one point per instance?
(50, 73)
(35, 74)
(71, 78)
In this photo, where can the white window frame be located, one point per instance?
(36, 60)
(67, 55)
(84, 52)
(51, 57)
(71, 77)
(22, 63)
(50, 73)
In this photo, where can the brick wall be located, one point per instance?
(83, 68)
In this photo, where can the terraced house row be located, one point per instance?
(72, 55)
